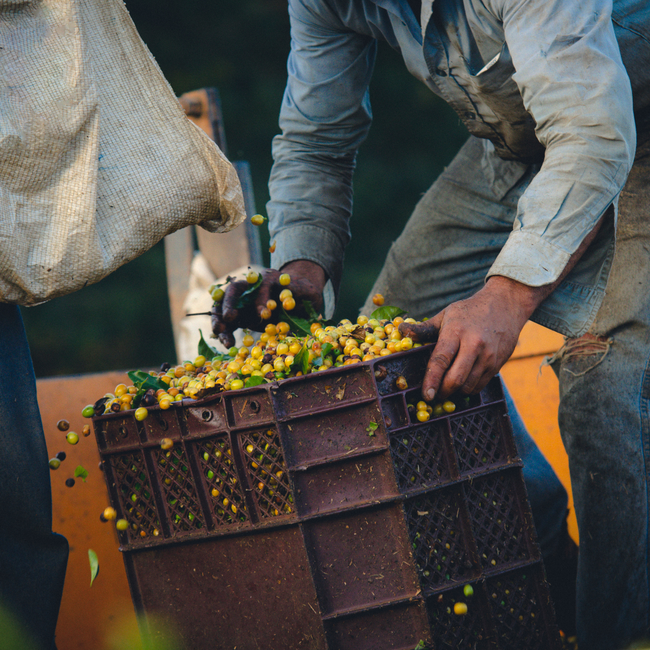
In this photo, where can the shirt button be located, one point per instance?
(440, 72)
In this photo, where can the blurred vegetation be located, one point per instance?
(241, 48)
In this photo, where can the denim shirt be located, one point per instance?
(543, 82)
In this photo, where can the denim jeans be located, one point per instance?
(605, 423)
(32, 559)
(443, 255)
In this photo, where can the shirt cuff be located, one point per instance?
(530, 259)
(308, 242)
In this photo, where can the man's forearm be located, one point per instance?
(531, 297)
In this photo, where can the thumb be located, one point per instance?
(425, 332)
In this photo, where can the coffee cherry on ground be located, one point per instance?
(460, 609)
(88, 411)
(468, 590)
(62, 425)
(110, 514)
(55, 463)
(72, 438)
(69, 482)
(86, 430)
(257, 219)
(401, 383)
(61, 456)
(285, 279)
(378, 299)
(166, 443)
(121, 524)
(141, 413)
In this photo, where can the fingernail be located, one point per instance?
(430, 394)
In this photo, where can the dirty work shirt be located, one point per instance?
(542, 82)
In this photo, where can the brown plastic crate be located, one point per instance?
(317, 512)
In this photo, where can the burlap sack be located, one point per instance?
(97, 160)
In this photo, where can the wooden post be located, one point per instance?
(223, 252)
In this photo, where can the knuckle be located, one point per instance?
(440, 359)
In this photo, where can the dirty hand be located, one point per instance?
(475, 337)
(307, 282)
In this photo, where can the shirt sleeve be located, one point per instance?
(324, 118)
(573, 82)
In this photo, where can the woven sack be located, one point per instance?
(97, 159)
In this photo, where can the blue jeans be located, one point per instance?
(443, 255)
(605, 424)
(32, 559)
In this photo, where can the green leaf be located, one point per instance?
(301, 360)
(142, 379)
(297, 325)
(387, 313)
(81, 473)
(94, 565)
(244, 299)
(421, 645)
(371, 428)
(253, 381)
(325, 350)
(205, 350)
(137, 398)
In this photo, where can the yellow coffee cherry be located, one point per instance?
(448, 406)
(460, 609)
(217, 294)
(285, 279)
(109, 514)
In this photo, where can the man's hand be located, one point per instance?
(475, 337)
(307, 282)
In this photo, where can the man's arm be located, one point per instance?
(325, 116)
(475, 337)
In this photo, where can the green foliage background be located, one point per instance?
(240, 46)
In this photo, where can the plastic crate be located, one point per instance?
(347, 524)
